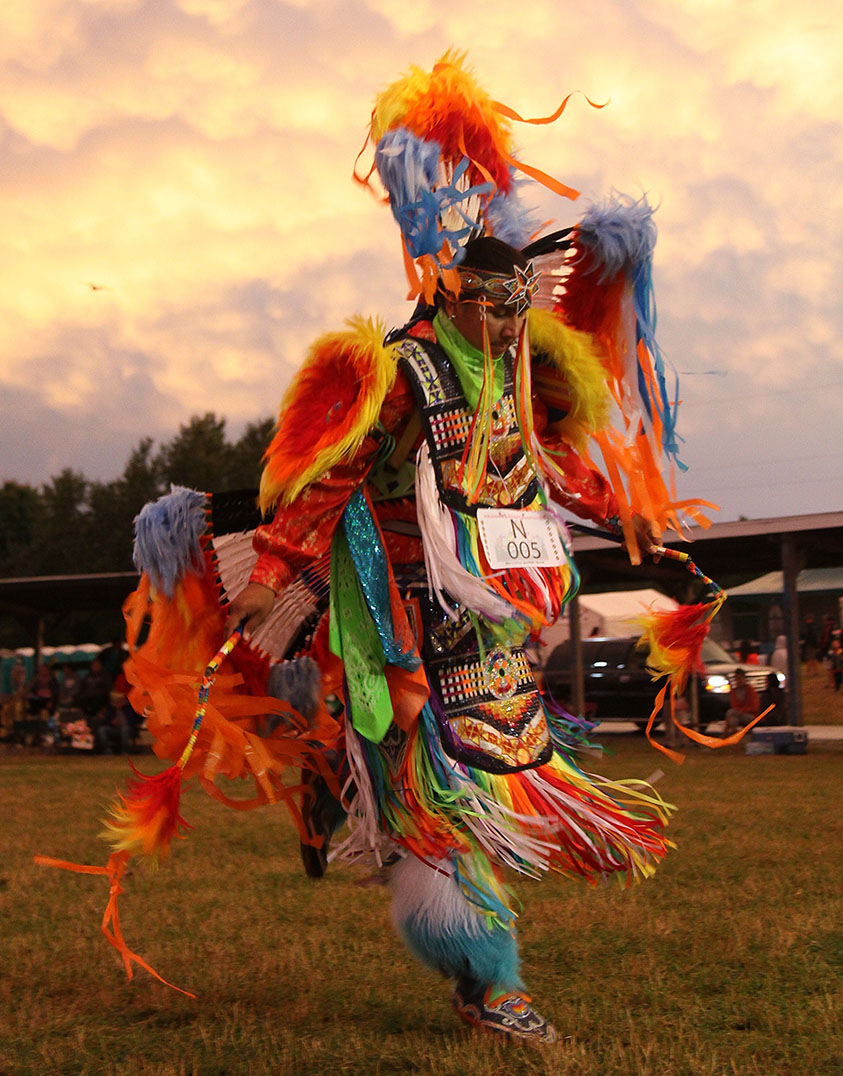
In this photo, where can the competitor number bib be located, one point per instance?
(513, 538)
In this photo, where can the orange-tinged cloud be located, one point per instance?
(194, 157)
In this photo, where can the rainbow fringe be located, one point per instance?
(553, 817)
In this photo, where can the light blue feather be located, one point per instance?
(167, 537)
(620, 234)
(488, 955)
(409, 170)
(509, 219)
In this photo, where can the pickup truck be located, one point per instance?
(619, 687)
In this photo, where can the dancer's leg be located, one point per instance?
(469, 943)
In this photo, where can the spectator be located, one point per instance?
(809, 644)
(778, 659)
(112, 658)
(19, 677)
(120, 725)
(835, 655)
(773, 696)
(43, 691)
(69, 688)
(744, 703)
(14, 709)
(826, 635)
(113, 731)
(746, 655)
(93, 694)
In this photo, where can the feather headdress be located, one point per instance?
(443, 151)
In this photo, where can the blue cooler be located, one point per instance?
(778, 740)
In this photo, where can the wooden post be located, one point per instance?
(790, 570)
(577, 679)
(695, 701)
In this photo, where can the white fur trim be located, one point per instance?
(428, 895)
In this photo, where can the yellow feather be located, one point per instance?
(391, 105)
(578, 361)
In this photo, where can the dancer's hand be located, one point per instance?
(648, 536)
(254, 604)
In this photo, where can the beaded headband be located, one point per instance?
(517, 290)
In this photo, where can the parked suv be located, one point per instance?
(619, 687)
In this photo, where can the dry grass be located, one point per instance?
(728, 962)
(820, 704)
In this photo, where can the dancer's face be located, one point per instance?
(502, 324)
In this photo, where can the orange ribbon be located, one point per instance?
(113, 870)
(511, 114)
(542, 177)
(692, 734)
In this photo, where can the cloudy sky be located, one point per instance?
(192, 159)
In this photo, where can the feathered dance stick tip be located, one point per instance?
(675, 640)
(145, 819)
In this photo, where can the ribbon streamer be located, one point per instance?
(144, 821)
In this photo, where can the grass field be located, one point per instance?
(730, 961)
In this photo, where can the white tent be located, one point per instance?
(616, 613)
(613, 613)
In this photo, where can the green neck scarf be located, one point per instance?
(467, 360)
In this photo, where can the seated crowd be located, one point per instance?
(63, 709)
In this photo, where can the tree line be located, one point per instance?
(74, 525)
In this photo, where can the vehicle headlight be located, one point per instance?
(717, 684)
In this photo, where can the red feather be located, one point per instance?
(675, 638)
(146, 819)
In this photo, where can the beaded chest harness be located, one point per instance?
(446, 420)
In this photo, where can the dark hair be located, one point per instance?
(492, 255)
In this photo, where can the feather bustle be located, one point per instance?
(168, 537)
(329, 409)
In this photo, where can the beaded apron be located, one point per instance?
(486, 700)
